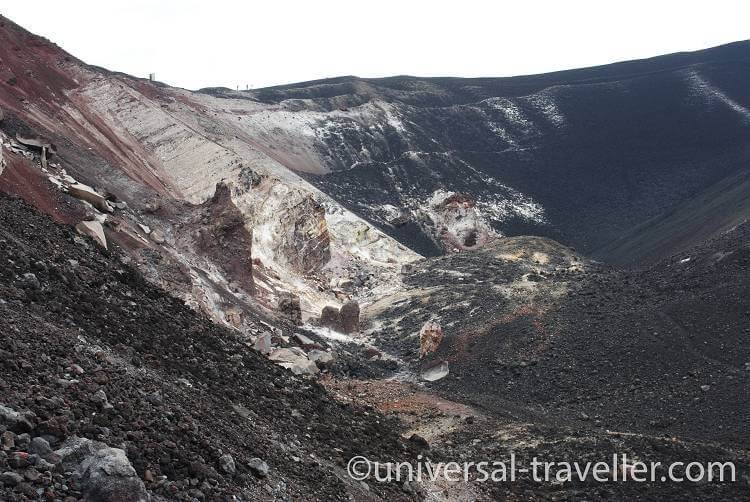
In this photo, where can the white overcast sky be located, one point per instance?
(194, 44)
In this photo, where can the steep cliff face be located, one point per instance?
(605, 159)
(161, 152)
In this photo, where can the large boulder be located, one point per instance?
(329, 317)
(430, 337)
(436, 372)
(349, 317)
(88, 194)
(15, 421)
(105, 473)
(457, 223)
(295, 360)
(94, 230)
(344, 320)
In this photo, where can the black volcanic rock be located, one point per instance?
(97, 352)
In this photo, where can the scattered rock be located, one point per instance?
(31, 474)
(226, 462)
(329, 317)
(11, 478)
(233, 317)
(295, 360)
(7, 440)
(18, 460)
(23, 441)
(39, 446)
(30, 281)
(100, 397)
(419, 442)
(88, 194)
(304, 341)
(14, 420)
(157, 236)
(152, 206)
(259, 467)
(345, 320)
(289, 306)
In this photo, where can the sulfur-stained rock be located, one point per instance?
(292, 226)
(233, 317)
(430, 337)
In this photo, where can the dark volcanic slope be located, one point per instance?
(183, 391)
(602, 150)
(663, 351)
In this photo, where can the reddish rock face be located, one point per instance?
(224, 237)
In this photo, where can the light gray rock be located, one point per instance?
(10, 478)
(14, 420)
(39, 446)
(303, 340)
(295, 360)
(226, 462)
(105, 473)
(94, 230)
(259, 467)
(436, 373)
(157, 236)
(263, 343)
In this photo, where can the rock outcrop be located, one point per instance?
(291, 227)
(457, 223)
(224, 235)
